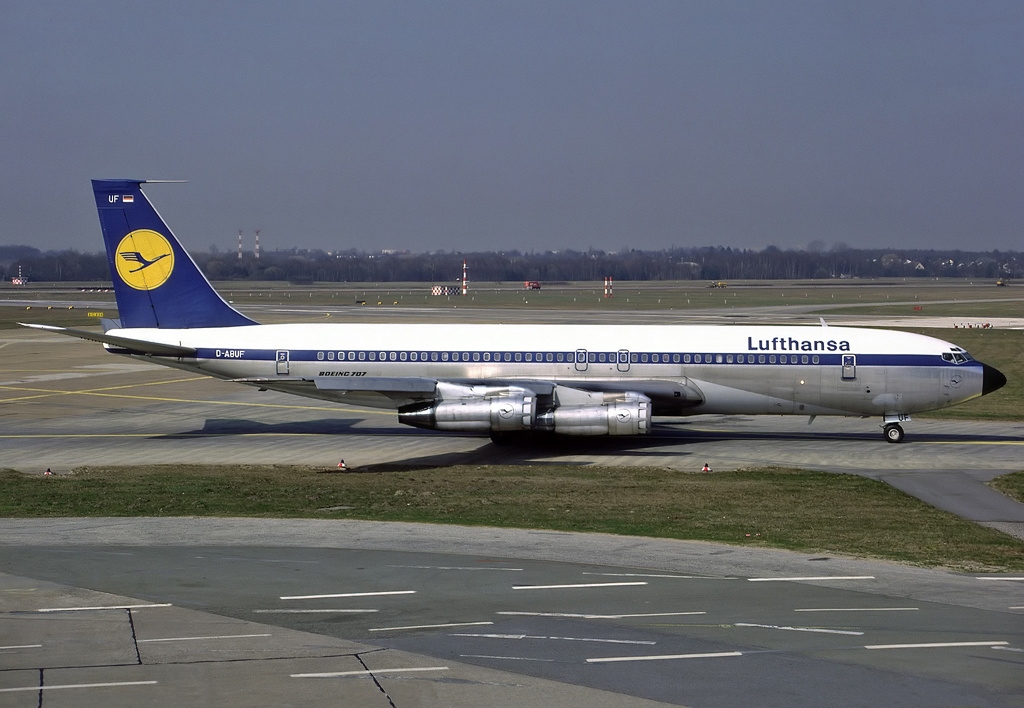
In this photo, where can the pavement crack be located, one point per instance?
(379, 686)
(135, 639)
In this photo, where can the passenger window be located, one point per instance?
(718, 358)
(686, 358)
(319, 356)
(815, 359)
(728, 358)
(760, 358)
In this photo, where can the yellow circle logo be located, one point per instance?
(144, 259)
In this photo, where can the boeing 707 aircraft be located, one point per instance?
(505, 380)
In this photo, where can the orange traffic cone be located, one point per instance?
(342, 465)
(706, 468)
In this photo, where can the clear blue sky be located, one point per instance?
(488, 125)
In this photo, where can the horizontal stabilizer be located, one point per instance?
(138, 346)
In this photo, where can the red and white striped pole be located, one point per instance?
(608, 286)
(465, 286)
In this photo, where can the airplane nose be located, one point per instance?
(992, 379)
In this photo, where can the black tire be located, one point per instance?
(893, 433)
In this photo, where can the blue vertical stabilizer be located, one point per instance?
(156, 282)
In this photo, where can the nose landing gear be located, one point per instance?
(893, 432)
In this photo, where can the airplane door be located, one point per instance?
(622, 362)
(849, 367)
(581, 360)
(282, 363)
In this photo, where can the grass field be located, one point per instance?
(803, 511)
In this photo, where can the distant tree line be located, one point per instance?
(706, 263)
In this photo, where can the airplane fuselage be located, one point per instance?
(801, 370)
(510, 379)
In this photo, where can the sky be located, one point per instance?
(470, 125)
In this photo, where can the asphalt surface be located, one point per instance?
(240, 612)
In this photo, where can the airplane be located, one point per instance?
(508, 380)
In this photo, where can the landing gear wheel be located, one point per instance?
(893, 432)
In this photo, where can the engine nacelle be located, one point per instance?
(496, 413)
(627, 414)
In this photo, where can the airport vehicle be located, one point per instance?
(506, 380)
(531, 285)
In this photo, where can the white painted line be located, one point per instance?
(580, 585)
(1017, 607)
(312, 612)
(104, 607)
(658, 575)
(453, 567)
(348, 594)
(935, 645)
(800, 629)
(818, 577)
(192, 639)
(664, 657)
(428, 626)
(857, 609)
(374, 672)
(22, 646)
(612, 617)
(510, 658)
(1009, 649)
(77, 685)
(996, 577)
(567, 639)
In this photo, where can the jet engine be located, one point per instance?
(509, 409)
(474, 408)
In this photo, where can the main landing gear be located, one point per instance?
(893, 432)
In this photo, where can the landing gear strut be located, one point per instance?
(893, 432)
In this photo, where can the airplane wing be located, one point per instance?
(134, 346)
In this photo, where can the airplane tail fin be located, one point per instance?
(156, 282)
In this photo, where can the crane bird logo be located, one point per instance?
(144, 259)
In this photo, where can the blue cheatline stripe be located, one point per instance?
(421, 356)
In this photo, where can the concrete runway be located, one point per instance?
(266, 612)
(471, 621)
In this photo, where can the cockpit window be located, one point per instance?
(956, 357)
